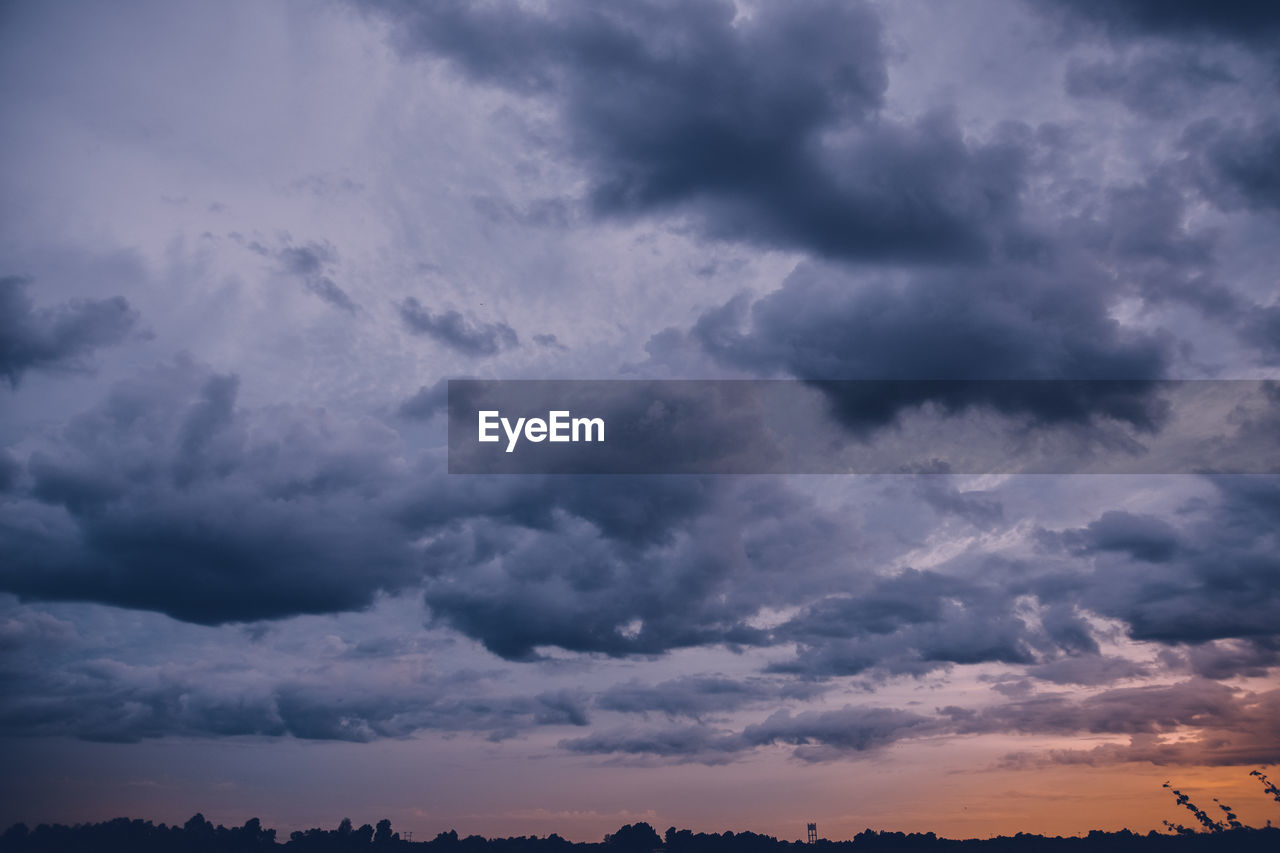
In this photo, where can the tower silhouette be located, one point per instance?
(813, 833)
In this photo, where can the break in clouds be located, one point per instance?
(241, 447)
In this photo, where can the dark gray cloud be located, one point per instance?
(763, 127)
(1144, 229)
(1142, 537)
(587, 593)
(1203, 581)
(1236, 727)
(461, 334)
(702, 695)
(620, 565)
(1143, 224)
(1235, 163)
(427, 402)
(816, 736)
(169, 497)
(1215, 576)
(70, 689)
(1088, 670)
(823, 735)
(834, 324)
(637, 579)
(1124, 710)
(549, 341)
(682, 744)
(9, 470)
(1158, 86)
(1251, 22)
(1220, 659)
(311, 263)
(1171, 61)
(328, 713)
(326, 289)
(1262, 328)
(912, 623)
(980, 509)
(306, 260)
(59, 337)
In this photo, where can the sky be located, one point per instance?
(245, 244)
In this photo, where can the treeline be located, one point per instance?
(200, 836)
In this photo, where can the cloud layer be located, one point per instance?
(225, 506)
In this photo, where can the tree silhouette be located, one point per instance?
(635, 838)
(198, 835)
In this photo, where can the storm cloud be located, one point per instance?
(832, 324)
(1237, 163)
(61, 337)
(816, 736)
(467, 336)
(310, 262)
(1214, 577)
(698, 696)
(94, 695)
(257, 242)
(1248, 21)
(168, 496)
(794, 153)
